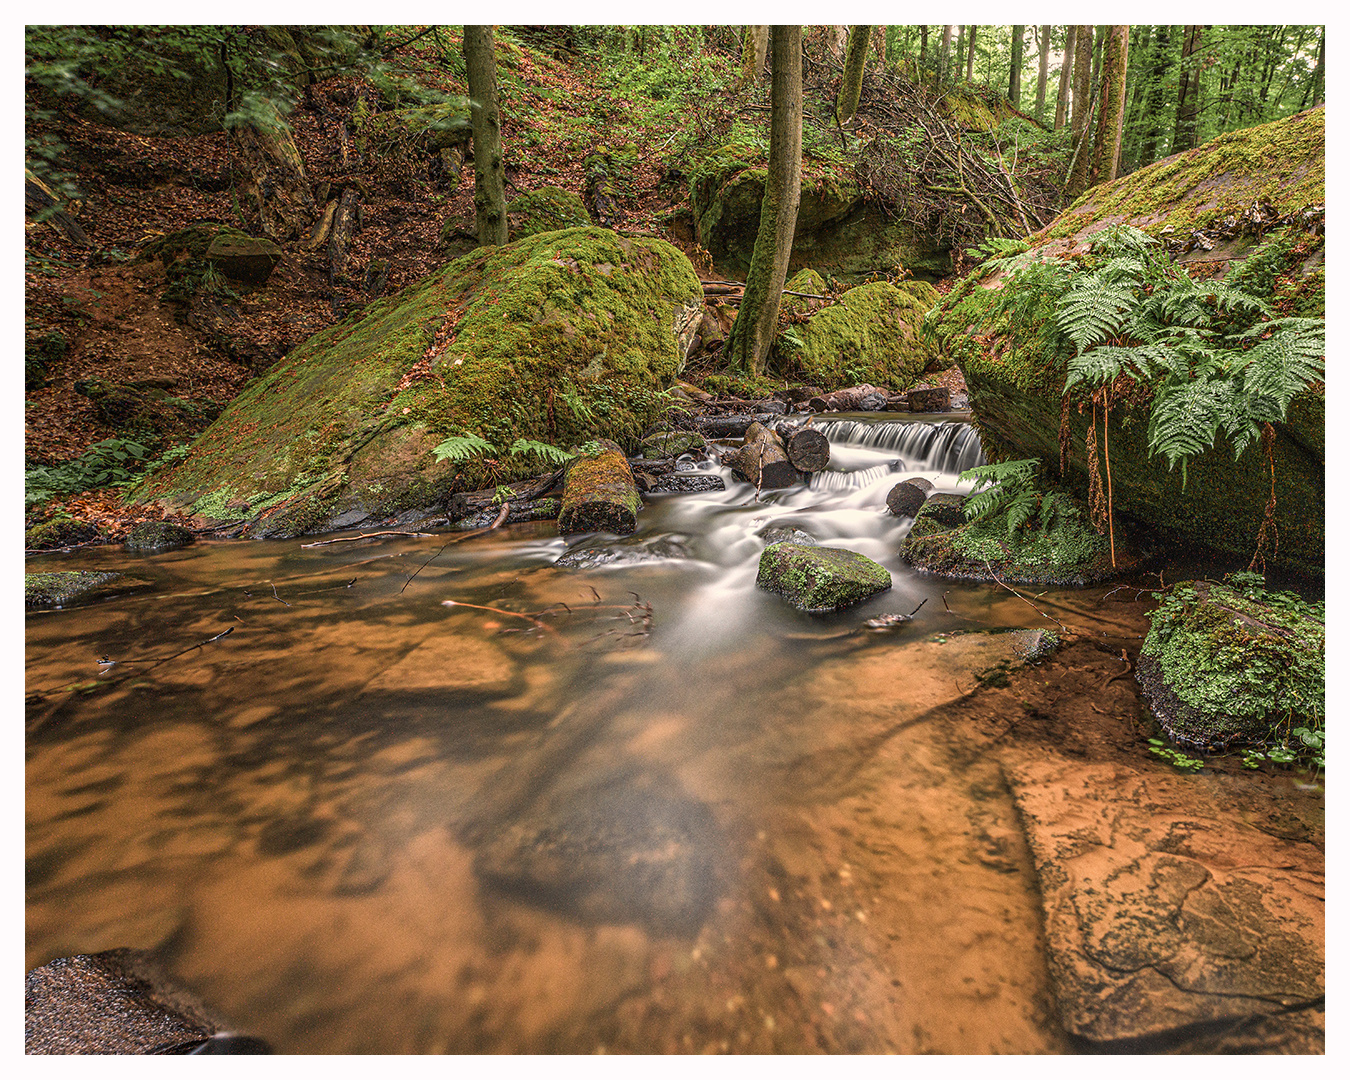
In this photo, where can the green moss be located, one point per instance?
(62, 588)
(559, 337)
(870, 336)
(1234, 663)
(820, 579)
(545, 210)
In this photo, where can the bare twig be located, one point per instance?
(506, 509)
(362, 536)
(1019, 596)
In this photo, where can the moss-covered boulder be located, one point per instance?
(545, 210)
(153, 537)
(1068, 553)
(820, 579)
(59, 531)
(64, 588)
(1228, 664)
(870, 336)
(666, 444)
(837, 231)
(1016, 372)
(561, 337)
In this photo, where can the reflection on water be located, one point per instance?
(635, 803)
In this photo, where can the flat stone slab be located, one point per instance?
(63, 588)
(1165, 908)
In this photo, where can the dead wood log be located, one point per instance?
(864, 398)
(762, 460)
(346, 222)
(906, 497)
(807, 448)
(466, 503)
(275, 175)
(41, 203)
(728, 427)
(599, 494)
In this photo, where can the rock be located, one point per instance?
(243, 258)
(583, 310)
(625, 552)
(1224, 664)
(684, 482)
(1170, 919)
(1015, 381)
(633, 849)
(779, 534)
(906, 497)
(545, 209)
(118, 1002)
(65, 588)
(152, 537)
(59, 532)
(819, 579)
(1070, 553)
(666, 444)
(945, 509)
(930, 399)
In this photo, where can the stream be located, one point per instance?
(628, 804)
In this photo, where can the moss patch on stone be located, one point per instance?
(546, 209)
(820, 579)
(1228, 664)
(63, 588)
(870, 336)
(559, 337)
(152, 537)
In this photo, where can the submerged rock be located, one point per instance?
(820, 579)
(63, 588)
(625, 552)
(1225, 664)
(152, 537)
(780, 534)
(635, 849)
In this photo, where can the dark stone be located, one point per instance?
(152, 537)
(819, 579)
(62, 588)
(672, 443)
(945, 509)
(58, 533)
(906, 497)
(686, 482)
(937, 399)
(624, 552)
(243, 258)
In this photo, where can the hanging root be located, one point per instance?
(1097, 509)
(1065, 437)
(1268, 526)
(1106, 450)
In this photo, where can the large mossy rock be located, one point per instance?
(820, 579)
(1016, 386)
(64, 588)
(837, 231)
(561, 337)
(545, 210)
(1070, 553)
(1225, 664)
(870, 336)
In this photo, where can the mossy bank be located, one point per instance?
(559, 337)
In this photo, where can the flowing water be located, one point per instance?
(633, 803)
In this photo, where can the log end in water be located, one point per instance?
(600, 494)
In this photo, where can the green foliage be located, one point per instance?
(546, 452)
(462, 448)
(112, 461)
(1173, 756)
(1008, 489)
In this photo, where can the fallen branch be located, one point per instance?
(506, 509)
(362, 536)
(107, 664)
(1024, 600)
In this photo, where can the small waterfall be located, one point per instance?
(832, 480)
(944, 447)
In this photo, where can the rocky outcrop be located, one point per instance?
(1175, 916)
(546, 209)
(152, 537)
(1016, 380)
(820, 579)
(561, 337)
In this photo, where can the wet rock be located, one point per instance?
(625, 552)
(59, 532)
(635, 849)
(933, 399)
(1169, 917)
(779, 534)
(666, 444)
(117, 1002)
(818, 579)
(152, 537)
(1225, 664)
(685, 482)
(946, 510)
(243, 258)
(64, 588)
(906, 497)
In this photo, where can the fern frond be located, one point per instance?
(462, 447)
(1122, 239)
(1093, 310)
(549, 453)
(1185, 420)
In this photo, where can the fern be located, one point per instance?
(550, 454)
(1094, 309)
(1010, 490)
(462, 448)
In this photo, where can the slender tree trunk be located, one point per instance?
(489, 177)
(754, 51)
(960, 45)
(1015, 67)
(855, 61)
(1148, 148)
(1188, 91)
(970, 54)
(945, 56)
(923, 45)
(1136, 77)
(1098, 34)
(1319, 75)
(1111, 122)
(1065, 73)
(757, 321)
(1082, 113)
(1043, 74)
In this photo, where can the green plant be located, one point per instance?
(1009, 489)
(462, 448)
(550, 454)
(1175, 757)
(112, 461)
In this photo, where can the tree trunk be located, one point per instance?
(850, 90)
(275, 175)
(1065, 72)
(1043, 74)
(489, 178)
(1319, 75)
(754, 51)
(1015, 67)
(945, 55)
(1082, 113)
(1111, 116)
(1188, 91)
(970, 54)
(1148, 148)
(757, 321)
(762, 460)
(923, 45)
(1134, 117)
(960, 47)
(600, 494)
